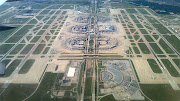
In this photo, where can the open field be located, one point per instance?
(162, 92)
(25, 68)
(154, 66)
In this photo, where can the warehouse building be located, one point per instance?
(71, 72)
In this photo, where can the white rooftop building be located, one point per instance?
(71, 72)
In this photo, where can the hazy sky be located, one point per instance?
(2, 1)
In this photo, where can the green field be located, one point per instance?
(39, 48)
(35, 39)
(14, 39)
(143, 11)
(46, 50)
(12, 67)
(131, 11)
(165, 47)
(6, 61)
(136, 50)
(174, 41)
(27, 49)
(68, 7)
(170, 68)
(41, 32)
(160, 92)
(162, 29)
(26, 67)
(156, 48)
(24, 30)
(154, 66)
(33, 21)
(17, 48)
(121, 5)
(5, 34)
(148, 38)
(4, 48)
(139, 26)
(44, 91)
(144, 48)
(108, 98)
(88, 85)
(143, 31)
(17, 92)
(44, 11)
(177, 62)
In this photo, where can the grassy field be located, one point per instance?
(80, 77)
(6, 33)
(17, 92)
(24, 30)
(39, 49)
(44, 11)
(121, 5)
(165, 47)
(4, 48)
(35, 39)
(144, 48)
(160, 92)
(45, 26)
(162, 29)
(68, 7)
(154, 66)
(170, 68)
(12, 67)
(148, 38)
(131, 11)
(41, 32)
(43, 93)
(27, 48)
(152, 20)
(139, 26)
(136, 50)
(108, 98)
(46, 50)
(156, 48)
(39, 17)
(177, 62)
(25, 68)
(143, 31)
(17, 48)
(136, 37)
(33, 21)
(88, 85)
(174, 41)
(6, 61)
(14, 39)
(143, 11)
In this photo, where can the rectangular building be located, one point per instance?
(71, 72)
